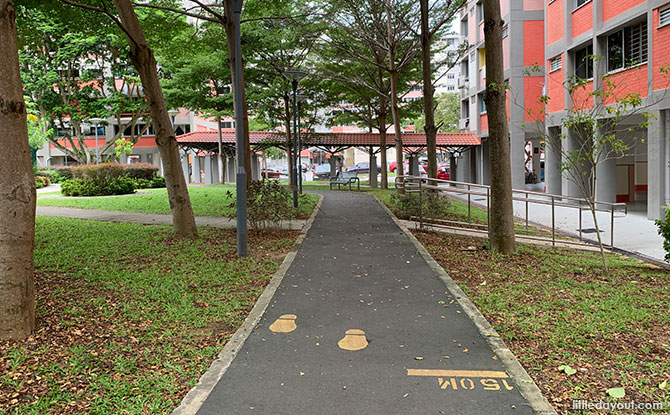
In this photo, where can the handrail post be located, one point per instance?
(526, 212)
(612, 230)
(420, 206)
(469, 220)
(553, 222)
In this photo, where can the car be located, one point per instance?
(422, 170)
(363, 167)
(271, 173)
(322, 171)
(443, 172)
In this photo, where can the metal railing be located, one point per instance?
(415, 184)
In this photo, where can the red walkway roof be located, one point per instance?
(333, 139)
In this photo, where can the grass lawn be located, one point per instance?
(129, 317)
(206, 201)
(556, 307)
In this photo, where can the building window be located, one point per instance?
(482, 104)
(579, 3)
(664, 16)
(451, 76)
(450, 88)
(101, 130)
(505, 31)
(584, 62)
(480, 12)
(627, 47)
(555, 64)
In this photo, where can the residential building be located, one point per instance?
(620, 45)
(523, 50)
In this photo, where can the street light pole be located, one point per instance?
(241, 179)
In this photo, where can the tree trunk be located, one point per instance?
(17, 186)
(428, 107)
(382, 114)
(144, 61)
(230, 39)
(289, 136)
(501, 232)
(394, 99)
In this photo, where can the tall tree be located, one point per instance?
(442, 12)
(144, 62)
(17, 185)
(501, 213)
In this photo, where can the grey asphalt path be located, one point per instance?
(144, 218)
(358, 270)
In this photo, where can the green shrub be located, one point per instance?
(268, 204)
(52, 174)
(79, 187)
(144, 171)
(43, 180)
(407, 205)
(158, 181)
(120, 186)
(143, 183)
(64, 171)
(100, 174)
(664, 231)
(38, 183)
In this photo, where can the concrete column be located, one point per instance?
(195, 171)
(221, 163)
(208, 169)
(552, 163)
(606, 179)
(657, 136)
(413, 167)
(215, 168)
(184, 165)
(255, 170)
(333, 165)
(453, 169)
(373, 170)
(230, 169)
(570, 143)
(517, 156)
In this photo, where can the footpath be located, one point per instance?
(363, 323)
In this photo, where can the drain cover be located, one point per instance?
(589, 230)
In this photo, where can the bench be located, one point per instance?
(345, 178)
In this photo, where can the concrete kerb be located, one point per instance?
(527, 387)
(199, 393)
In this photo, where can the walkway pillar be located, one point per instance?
(552, 162)
(195, 171)
(570, 143)
(255, 171)
(184, 165)
(606, 179)
(333, 165)
(453, 168)
(208, 169)
(215, 168)
(373, 170)
(517, 155)
(413, 169)
(230, 167)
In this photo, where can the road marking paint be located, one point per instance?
(284, 324)
(354, 339)
(457, 373)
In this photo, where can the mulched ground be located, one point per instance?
(89, 353)
(556, 307)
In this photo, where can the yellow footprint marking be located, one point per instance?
(354, 339)
(284, 324)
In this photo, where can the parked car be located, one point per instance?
(322, 171)
(443, 172)
(271, 173)
(422, 170)
(363, 167)
(393, 166)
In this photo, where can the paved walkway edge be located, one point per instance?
(197, 395)
(524, 382)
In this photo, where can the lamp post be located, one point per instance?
(295, 75)
(301, 98)
(96, 122)
(173, 115)
(241, 177)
